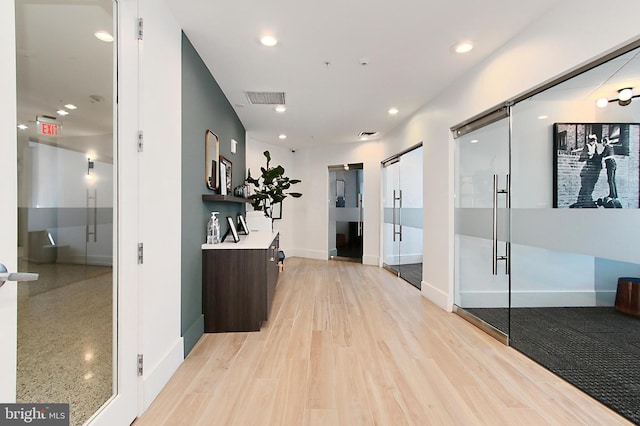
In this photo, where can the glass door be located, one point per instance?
(346, 212)
(402, 210)
(67, 321)
(482, 224)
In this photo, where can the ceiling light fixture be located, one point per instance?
(280, 108)
(463, 47)
(103, 36)
(22, 127)
(543, 117)
(473, 141)
(393, 111)
(282, 136)
(62, 112)
(625, 96)
(70, 106)
(269, 41)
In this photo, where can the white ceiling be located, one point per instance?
(407, 43)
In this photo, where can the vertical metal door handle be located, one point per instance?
(393, 215)
(400, 211)
(507, 255)
(494, 231)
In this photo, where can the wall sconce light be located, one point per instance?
(625, 96)
(89, 166)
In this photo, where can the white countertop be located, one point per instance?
(255, 240)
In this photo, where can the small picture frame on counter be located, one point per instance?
(242, 224)
(231, 230)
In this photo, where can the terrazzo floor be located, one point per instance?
(65, 339)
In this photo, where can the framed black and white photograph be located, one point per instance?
(231, 230)
(596, 165)
(242, 224)
(225, 176)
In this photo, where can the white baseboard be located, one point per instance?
(436, 296)
(308, 254)
(157, 376)
(371, 260)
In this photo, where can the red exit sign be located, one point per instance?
(48, 129)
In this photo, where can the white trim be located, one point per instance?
(371, 260)
(159, 375)
(307, 254)
(437, 296)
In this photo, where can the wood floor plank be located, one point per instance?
(348, 344)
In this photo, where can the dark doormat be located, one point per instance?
(597, 349)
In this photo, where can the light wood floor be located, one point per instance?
(349, 344)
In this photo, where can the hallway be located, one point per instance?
(351, 344)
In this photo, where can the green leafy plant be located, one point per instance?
(270, 187)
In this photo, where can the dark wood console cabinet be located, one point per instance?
(238, 282)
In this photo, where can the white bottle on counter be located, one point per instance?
(213, 229)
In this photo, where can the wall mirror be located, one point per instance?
(212, 153)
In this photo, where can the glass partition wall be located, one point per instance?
(572, 222)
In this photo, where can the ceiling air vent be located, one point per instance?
(368, 135)
(266, 98)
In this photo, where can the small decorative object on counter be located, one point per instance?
(213, 229)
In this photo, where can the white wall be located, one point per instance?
(539, 53)
(160, 200)
(287, 159)
(312, 210)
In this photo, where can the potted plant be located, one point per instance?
(270, 187)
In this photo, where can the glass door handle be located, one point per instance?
(360, 207)
(496, 257)
(15, 276)
(395, 223)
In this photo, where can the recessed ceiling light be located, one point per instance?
(602, 102)
(282, 136)
(62, 112)
(103, 36)
(22, 127)
(70, 106)
(280, 108)
(473, 141)
(463, 47)
(543, 117)
(393, 111)
(269, 41)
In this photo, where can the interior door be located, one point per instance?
(402, 226)
(71, 336)
(391, 227)
(346, 212)
(8, 212)
(482, 223)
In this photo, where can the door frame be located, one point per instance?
(122, 408)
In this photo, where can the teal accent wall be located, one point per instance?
(204, 106)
